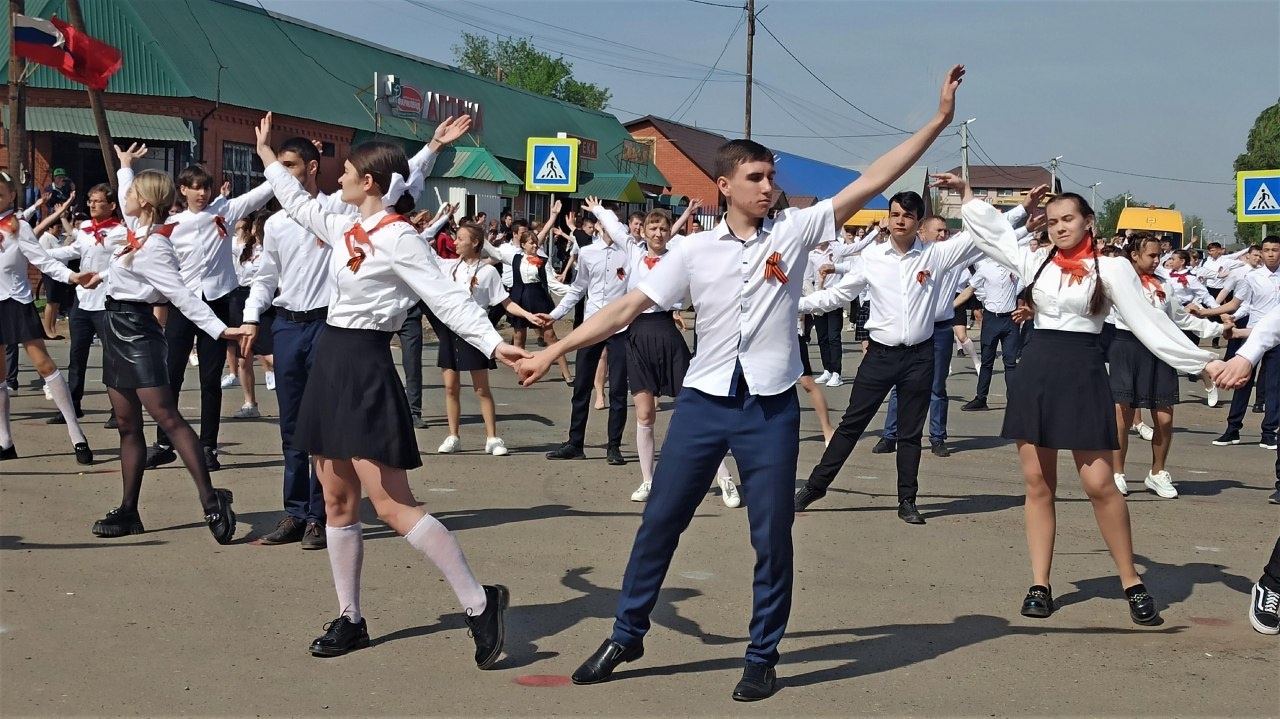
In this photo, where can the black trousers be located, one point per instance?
(911, 369)
(11, 359)
(584, 378)
(829, 326)
(1271, 573)
(85, 324)
(411, 358)
(1001, 329)
(180, 334)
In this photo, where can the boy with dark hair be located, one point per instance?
(739, 391)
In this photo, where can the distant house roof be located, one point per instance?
(914, 179)
(699, 146)
(1020, 177)
(800, 176)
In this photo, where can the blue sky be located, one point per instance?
(1159, 88)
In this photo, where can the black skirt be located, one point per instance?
(1060, 395)
(657, 355)
(19, 322)
(134, 354)
(460, 355)
(262, 342)
(354, 404)
(1138, 378)
(534, 298)
(59, 293)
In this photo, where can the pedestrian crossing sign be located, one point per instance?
(551, 165)
(1256, 198)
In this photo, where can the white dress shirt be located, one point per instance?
(94, 250)
(1262, 337)
(397, 270)
(152, 274)
(1192, 290)
(1259, 289)
(603, 269)
(15, 251)
(295, 262)
(479, 280)
(246, 271)
(1062, 306)
(743, 317)
(995, 286)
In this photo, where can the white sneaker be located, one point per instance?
(835, 380)
(1162, 484)
(1212, 398)
(450, 445)
(270, 380)
(249, 411)
(194, 359)
(1121, 484)
(496, 447)
(729, 492)
(48, 393)
(1144, 431)
(823, 378)
(229, 380)
(642, 492)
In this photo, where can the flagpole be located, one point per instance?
(17, 105)
(95, 104)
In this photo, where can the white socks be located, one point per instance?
(6, 439)
(62, 398)
(431, 538)
(346, 555)
(967, 346)
(644, 448)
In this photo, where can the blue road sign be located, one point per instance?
(551, 165)
(1256, 196)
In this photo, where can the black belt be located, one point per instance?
(900, 348)
(318, 313)
(131, 305)
(944, 323)
(1000, 314)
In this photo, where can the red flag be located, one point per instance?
(76, 55)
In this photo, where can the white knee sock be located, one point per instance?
(644, 448)
(431, 538)
(723, 471)
(62, 398)
(968, 349)
(346, 556)
(6, 439)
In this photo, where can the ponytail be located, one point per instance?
(404, 205)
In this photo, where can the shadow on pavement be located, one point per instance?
(9, 541)
(1170, 584)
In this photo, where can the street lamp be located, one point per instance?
(1127, 197)
(1093, 197)
(964, 148)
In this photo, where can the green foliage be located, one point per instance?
(1107, 217)
(1262, 152)
(517, 62)
(1193, 227)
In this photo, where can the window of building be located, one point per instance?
(1007, 193)
(953, 193)
(979, 192)
(241, 167)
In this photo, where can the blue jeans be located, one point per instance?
(943, 338)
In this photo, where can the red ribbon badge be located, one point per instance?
(221, 224)
(622, 273)
(923, 275)
(9, 225)
(773, 269)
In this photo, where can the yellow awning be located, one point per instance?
(1150, 220)
(863, 218)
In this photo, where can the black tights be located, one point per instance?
(159, 403)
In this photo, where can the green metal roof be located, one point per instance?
(131, 125)
(611, 186)
(175, 48)
(475, 163)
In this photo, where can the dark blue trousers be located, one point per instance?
(943, 339)
(997, 328)
(763, 433)
(84, 325)
(295, 348)
(1266, 378)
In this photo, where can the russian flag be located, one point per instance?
(76, 55)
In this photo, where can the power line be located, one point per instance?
(1149, 177)
(806, 126)
(286, 35)
(696, 92)
(992, 163)
(717, 4)
(823, 83)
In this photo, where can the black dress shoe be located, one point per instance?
(1038, 603)
(808, 495)
(566, 451)
(287, 531)
(10, 452)
(118, 523)
(908, 513)
(112, 422)
(84, 455)
(314, 537)
(1142, 607)
(613, 456)
(222, 520)
(757, 683)
(419, 422)
(975, 405)
(1259, 409)
(159, 454)
(885, 446)
(211, 462)
(607, 658)
(940, 448)
(341, 636)
(489, 630)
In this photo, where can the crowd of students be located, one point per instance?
(318, 289)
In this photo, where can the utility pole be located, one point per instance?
(964, 149)
(1093, 194)
(751, 36)
(17, 106)
(1127, 197)
(1053, 174)
(95, 103)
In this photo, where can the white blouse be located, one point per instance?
(1062, 306)
(152, 274)
(479, 279)
(1169, 305)
(397, 270)
(15, 251)
(94, 256)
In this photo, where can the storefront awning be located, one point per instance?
(473, 163)
(132, 125)
(612, 187)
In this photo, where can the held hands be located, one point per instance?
(1022, 314)
(134, 152)
(248, 333)
(533, 367)
(510, 355)
(449, 130)
(947, 103)
(87, 280)
(1232, 374)
(236, 334)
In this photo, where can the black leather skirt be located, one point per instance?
(133, 348)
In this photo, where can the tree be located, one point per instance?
(1192, 230)
(517, 62)
(1262, 152)
(1108, 216)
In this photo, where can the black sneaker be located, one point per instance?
(975, 405)
(908, 513)
(314, 537)
(1259, 408)
(211, 462)
(1263, 608)
(1268, 441)
(1142, 607)
(288, 531)
(885, 446)
(613, 456)
(112, 422)
(939, 448)
(10, 452)
(566, 451)
(158, 454)
(808, 495)
(341, 636)
(1227, 439)
(1038, 603)
(119, 523)
(222, 521)
(419, 422)
(489, 630)
(84, 455)
(1273, 499)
